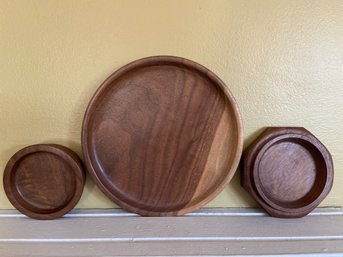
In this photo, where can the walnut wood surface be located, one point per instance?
(162, 136)
(44, 181)
(288, 171)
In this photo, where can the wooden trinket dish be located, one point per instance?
(288, 171)
(162, 136)
(44, 181)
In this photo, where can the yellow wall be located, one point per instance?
(282, 59)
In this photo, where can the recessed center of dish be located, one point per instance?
(287, 172)
(43, 181)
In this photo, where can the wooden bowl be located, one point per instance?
(44, 181)
(288, 171)
(162, 136)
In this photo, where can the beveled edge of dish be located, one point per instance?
(155, 60)
(248, 162)
(63, 152)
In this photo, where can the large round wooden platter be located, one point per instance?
(44, 181)
(162, 136)
(288, 171)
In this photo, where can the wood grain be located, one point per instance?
(288, 171)
(44, 181)
(162, 136)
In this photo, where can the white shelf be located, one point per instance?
(208, 232)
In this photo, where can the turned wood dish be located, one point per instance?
(44, 181)
(288, 171)
(162, 136)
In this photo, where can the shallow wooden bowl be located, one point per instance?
(162, 136)
(288, 171)
(44, 181)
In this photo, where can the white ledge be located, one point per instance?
(207, 232)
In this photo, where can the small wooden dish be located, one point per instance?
(44, 181)
(288, 171)
(162, 136)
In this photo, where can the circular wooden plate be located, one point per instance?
(162, 136)
(288, 171)
(44, 181)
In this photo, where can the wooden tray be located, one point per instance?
(288, 171)
(44, 181)
(162, 136)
